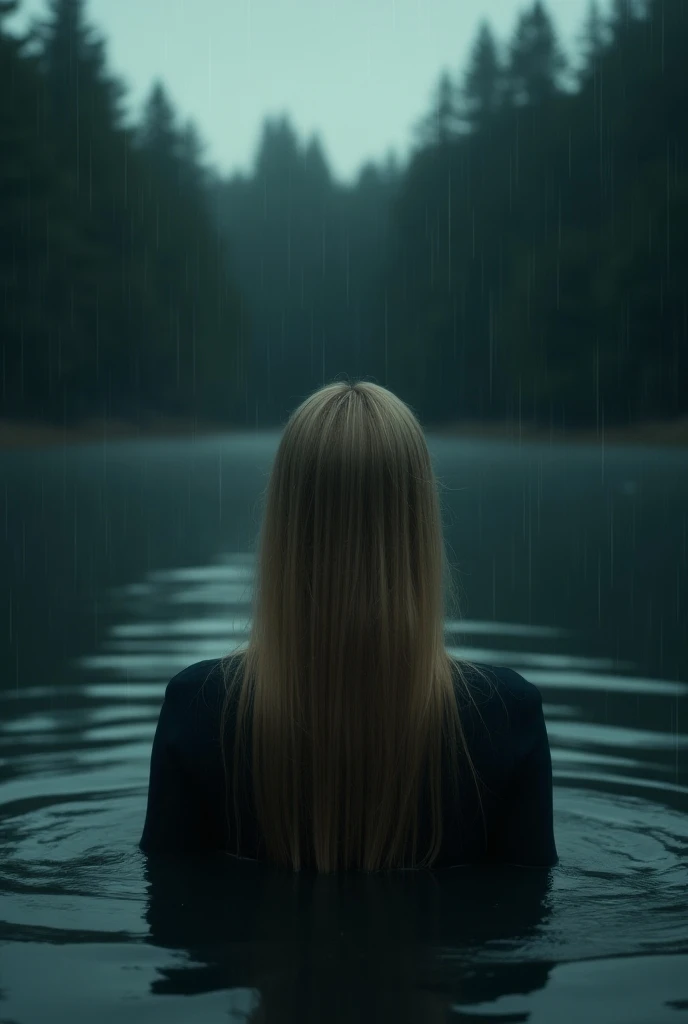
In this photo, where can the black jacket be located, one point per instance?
(507, 741)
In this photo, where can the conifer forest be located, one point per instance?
(528, 260)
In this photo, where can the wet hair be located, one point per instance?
(345, 683)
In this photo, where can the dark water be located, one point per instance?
(122, 563)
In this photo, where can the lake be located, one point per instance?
(121, 563)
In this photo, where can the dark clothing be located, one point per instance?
(507, 741)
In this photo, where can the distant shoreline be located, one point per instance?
(668, 432)
(18, 435)
(25, 434)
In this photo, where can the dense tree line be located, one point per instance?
(307, 253)
(540, 262)
(115, 296)
(530, 260)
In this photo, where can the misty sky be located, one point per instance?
(358, 72)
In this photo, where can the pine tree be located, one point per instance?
(441, 124)
(83, 124)
(483, 81)
(173, 151)
(191, 149)
(29, 187)
(316, 169)
(158, 133)
(278, 150)
(85, 100)
(536, 60)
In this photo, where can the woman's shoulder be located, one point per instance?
(194, 706)
(188, 684)
(497, 697)
(198, 691)
(501, 718)
(487, 682)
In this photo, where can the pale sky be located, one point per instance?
(359, 73)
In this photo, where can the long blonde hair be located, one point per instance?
(345, 677)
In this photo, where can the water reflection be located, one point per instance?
(398, 947)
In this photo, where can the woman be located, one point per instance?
(344, 735)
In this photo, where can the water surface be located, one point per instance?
(123, 563)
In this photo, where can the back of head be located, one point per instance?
(345, 673)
